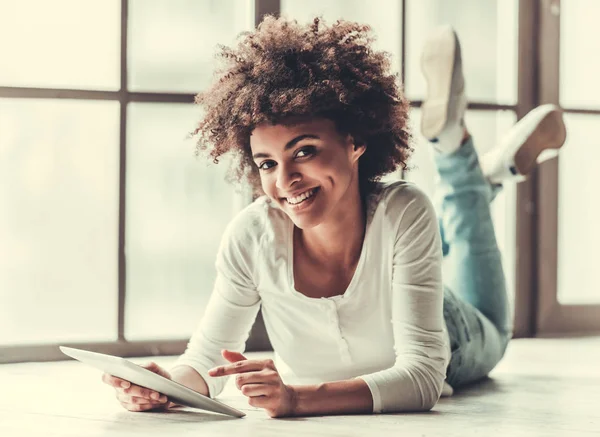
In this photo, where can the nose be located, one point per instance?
(287, 175)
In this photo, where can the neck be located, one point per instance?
(339, 240)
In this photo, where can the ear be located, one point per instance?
(358, 148)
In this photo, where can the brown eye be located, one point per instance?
(266, 165)
(305, 151)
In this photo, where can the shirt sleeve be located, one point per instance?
(233, 304)
(415, 381)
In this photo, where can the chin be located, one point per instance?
(305, 222)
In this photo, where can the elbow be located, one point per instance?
(429, 387)
(432, 388)
(432, 395)
(429, 403)
(409, 387)
(416, 405)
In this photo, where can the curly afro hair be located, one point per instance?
(284, 69)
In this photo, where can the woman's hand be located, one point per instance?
(260, 382)
(135, 398)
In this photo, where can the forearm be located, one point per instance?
(340, 397)
(188, 376)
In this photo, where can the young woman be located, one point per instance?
(347, 269)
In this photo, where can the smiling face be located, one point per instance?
(307, 168)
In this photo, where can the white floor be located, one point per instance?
(543, 387)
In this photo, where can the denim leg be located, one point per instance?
(496, 188)
(476, 303)
(445, 247)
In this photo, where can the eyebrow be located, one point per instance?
(289, 144)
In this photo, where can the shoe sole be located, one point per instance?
(437, 65)
(550, 133)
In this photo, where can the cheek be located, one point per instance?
(328, 166)
(338, 163)
(268, 185)
(339, 169)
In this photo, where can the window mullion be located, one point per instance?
(123, 99)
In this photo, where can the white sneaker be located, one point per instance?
(444, 107)
(537, 137)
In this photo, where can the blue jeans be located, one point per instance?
(475, 299)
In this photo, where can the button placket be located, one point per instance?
(342, 343)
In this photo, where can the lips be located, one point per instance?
(301, 197)
(301, 200)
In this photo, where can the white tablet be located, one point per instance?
(125, 369)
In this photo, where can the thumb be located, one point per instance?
(232, 356)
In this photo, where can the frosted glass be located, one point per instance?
(579, 48)
(177, 209)
(59, 188)
(60, 44)
(384, 16)
(578, 212)
(172, 43)
(486, 128)
(488, 34)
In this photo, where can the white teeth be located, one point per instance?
(301, 198)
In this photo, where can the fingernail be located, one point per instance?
(154, 396)
(163, 399)
(125, 384)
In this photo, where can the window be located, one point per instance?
(384, 16)
(569, 299)
(488, 35)
(109, 223)
(177, 210)
(578, 212)
(172, 43)
(578, 235)
(39, 49)
(579, 70)
(59, 204)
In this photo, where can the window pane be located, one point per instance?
(488, 35)
(578, 212)
(60, 44)
(486, 127)
(579, 66)
(59, 187)
(177, 209)
(172, 44)
(384, 16)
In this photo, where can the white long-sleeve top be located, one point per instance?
(387, 328)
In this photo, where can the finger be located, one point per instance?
(128, 399)
(259, 401)
(264, 376)
(240, 367)
(113, 381)
(142, 392)
(253, 390)
(232, 356)
(142, 407)
(153, 367)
